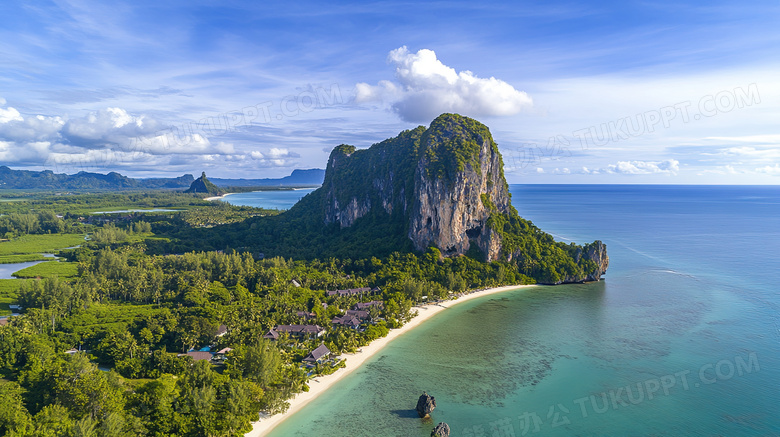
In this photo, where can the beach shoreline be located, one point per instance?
(217, 197)
(353, 362)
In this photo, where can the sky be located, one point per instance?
(623, 92)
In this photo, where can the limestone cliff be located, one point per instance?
(445, 186)
(451, 208)
(441, 179)
(597, 253)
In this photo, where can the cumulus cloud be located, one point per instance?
(278, 153)
(669, 166)
(110, 126)
(10, 114)
(168, 144)
(426, 87)
(770, 170)
(101, 138)
(275, 157)
(34, 152)
(37, 128)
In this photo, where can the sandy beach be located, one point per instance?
(318, 386)
(217, 197)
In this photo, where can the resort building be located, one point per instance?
(317, 356)
(299, 331)
(347, 320)
(360, 314)
(306, 315)
(366, 305)
(198, 355)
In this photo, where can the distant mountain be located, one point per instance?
(181, 181)
(32, 180)
(203, 185)
(28, 180)
(313, 176)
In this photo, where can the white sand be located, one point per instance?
(217, 197)
(319, 385)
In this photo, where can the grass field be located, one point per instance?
(34, 244)
(49, 269)
(13, 259)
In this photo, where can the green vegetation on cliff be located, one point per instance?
(454, 141)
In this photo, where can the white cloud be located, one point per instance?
(770, 153)
(770, 170)
(275, 157)
(110, 136)
(278, 153)
(767, 139)
(10, 114)
(165, 144)
(93, 160)
(669, 166)
(38, 128)
(30, 153)
(426, 88)
(539, 170)
(722, 170)
(108, 127)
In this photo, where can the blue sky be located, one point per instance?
(573, 92)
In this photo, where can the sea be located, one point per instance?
(270, 199)
(680, 338)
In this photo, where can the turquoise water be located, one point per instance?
(682, 338)
(274, 199)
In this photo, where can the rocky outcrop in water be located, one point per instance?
(596, 252)
(425, 405)
(441, 430)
